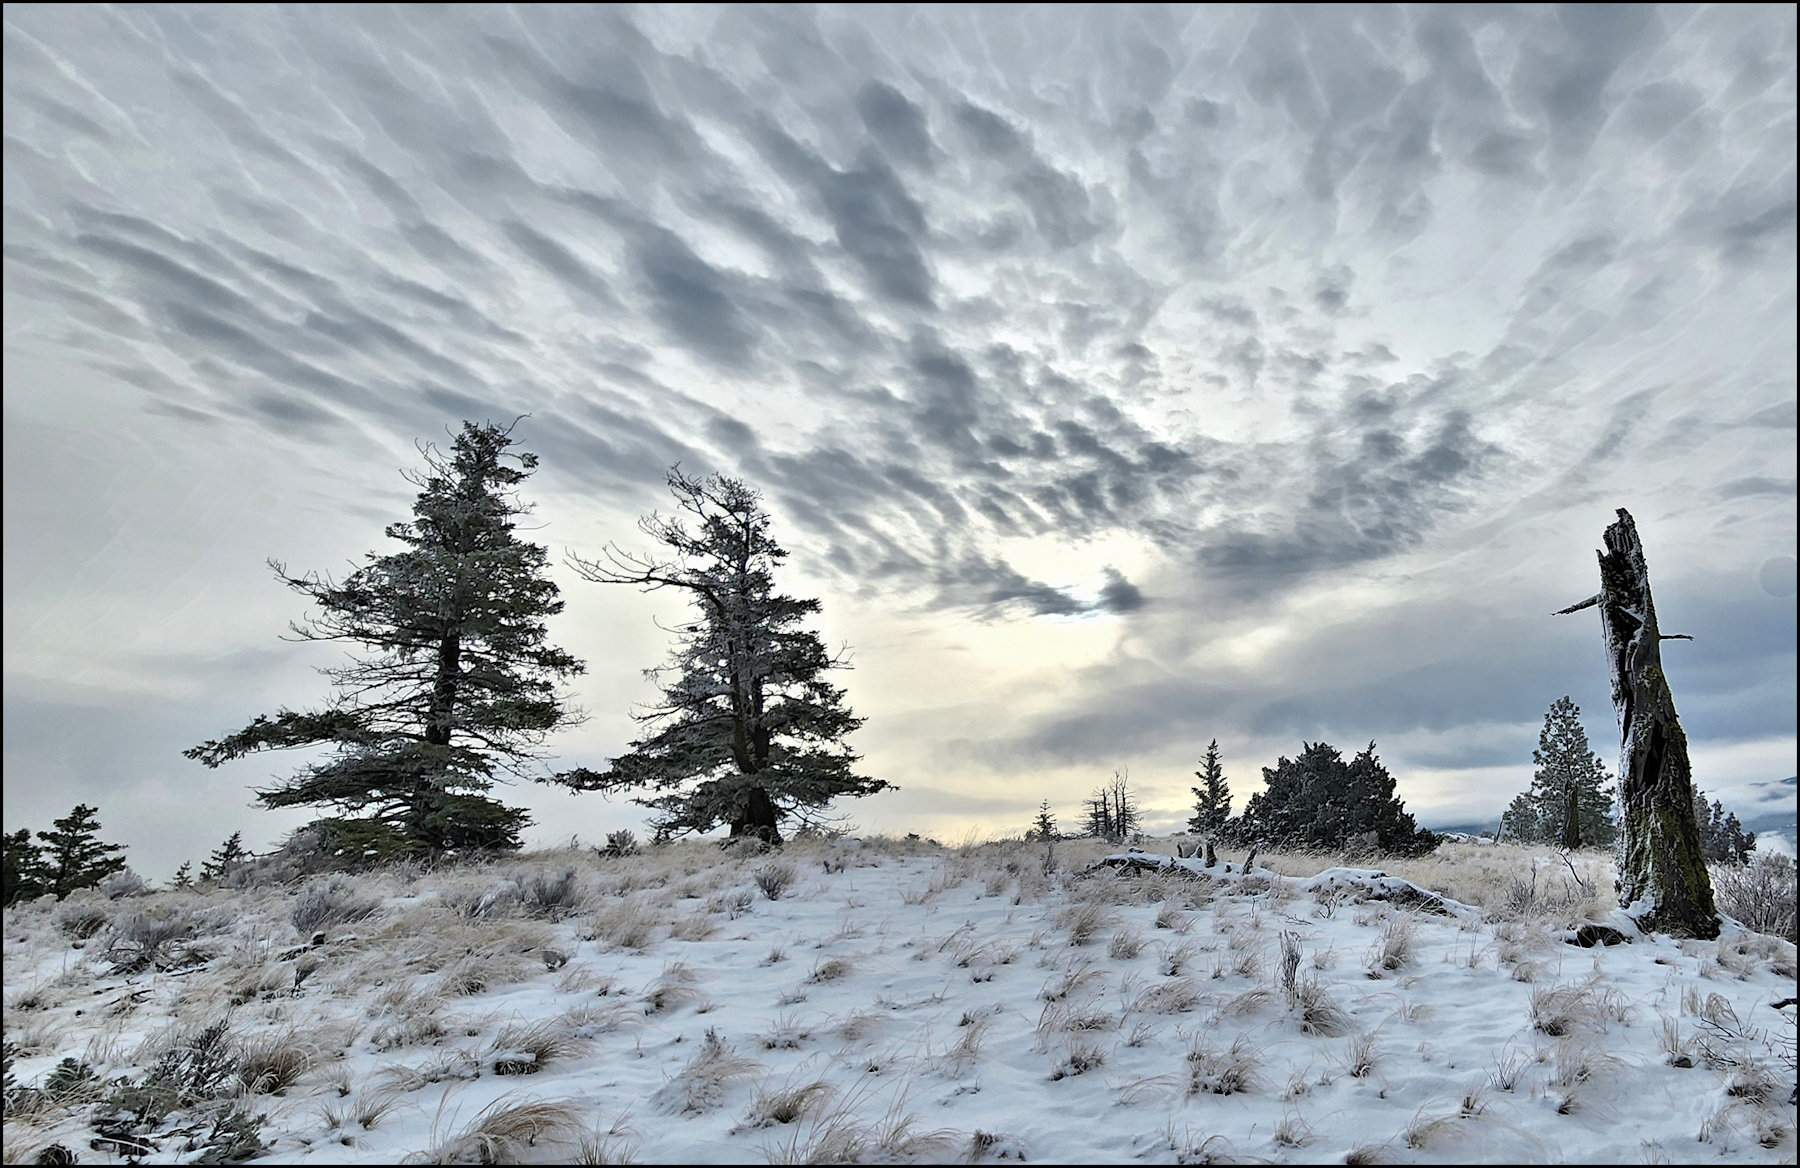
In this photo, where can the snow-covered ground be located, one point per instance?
(900, 1001)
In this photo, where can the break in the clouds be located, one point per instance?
(1121, 378)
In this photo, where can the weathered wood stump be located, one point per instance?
(1661, 862)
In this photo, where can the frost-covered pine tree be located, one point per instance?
(1564, 761)
(457, 682)
(748, 731)
(1044, 826)
(1212, 798)
(74, 856)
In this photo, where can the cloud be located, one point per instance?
(1250, 306)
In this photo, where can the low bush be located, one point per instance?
(1759, 894)
(327, 902)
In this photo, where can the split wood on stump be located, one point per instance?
(1660, 859)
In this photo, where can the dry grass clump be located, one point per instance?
(526, 1049)
(269, 1064)
(156, 938)
(81, 916)
(503, 1130)
(831, 969)
(787, 1103)
(967, 1047)
(671, 991)
(549, 897)
(1064, 1017)
(1073, 980)
(1318, 1013)
(1125, 944)
(1362, 1055)
(695, 926)
(1178, 996)
(630, 923)
(1170, 916)
(1177, 957)
(1562, 1010)
(1084, 919)
(1211, 1071)
(1394, 950)
(1078, 1058)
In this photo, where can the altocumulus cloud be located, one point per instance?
(1281, 358)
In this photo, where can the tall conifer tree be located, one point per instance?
(74, 856)
(457, 682)
(749, 732)
(1212, 798)
(1565, 765)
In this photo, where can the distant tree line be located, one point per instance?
(68, 857)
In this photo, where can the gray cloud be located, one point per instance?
(1279, 299)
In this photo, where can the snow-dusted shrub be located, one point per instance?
(122, 884)
(80, 917)
(774, 879)
(552, 897)
(334, 900)
(699, 1085)
(1760, 894)
(152, 940)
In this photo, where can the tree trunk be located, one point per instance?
(1661, 861)
(757, 818)
(1571, 828)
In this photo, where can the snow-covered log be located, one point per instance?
(1358, 883)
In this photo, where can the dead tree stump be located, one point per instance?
(1661, 860)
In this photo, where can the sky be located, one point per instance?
(1119, 378)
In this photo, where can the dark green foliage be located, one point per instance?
(619, 844)
(74, 856)
(196, 1081)
(749, 732)
(1044, 826)
(456, 680)
(1722, 838)
(1565, 767)
(25, 875)
(1320, 801)
(1212, 798)
(184, 876)
(225, 857)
